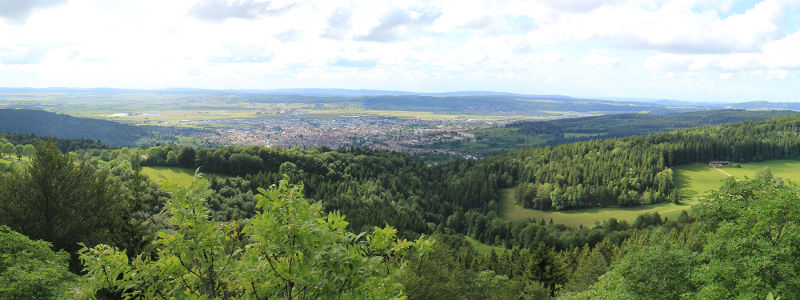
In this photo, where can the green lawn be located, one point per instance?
(589, 216)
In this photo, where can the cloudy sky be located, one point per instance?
(702, 50)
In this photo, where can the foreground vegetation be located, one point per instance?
(290, 247)
(387, 225)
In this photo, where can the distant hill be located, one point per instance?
(67, 127)
(766, 105)
(539, 133)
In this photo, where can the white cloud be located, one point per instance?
(530, 46)
(221, 10)
(600, 60)
(17, 11)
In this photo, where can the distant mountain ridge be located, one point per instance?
(327, 93)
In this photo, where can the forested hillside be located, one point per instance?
(525, 134)
(636, 170)
(67, 127)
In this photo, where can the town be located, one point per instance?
(375, 132)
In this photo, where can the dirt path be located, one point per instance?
(726, 173)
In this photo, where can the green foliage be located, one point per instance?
(30, 269)
(453, 270)
(288, 249)
(752, 241)
(591, 264)
(744, 245)
(63, 202)
(660, 271)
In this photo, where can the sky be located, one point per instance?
(694, 50)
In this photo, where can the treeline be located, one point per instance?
(635, 170)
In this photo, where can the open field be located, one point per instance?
(696, 180)
(589, 216)
(784, 168)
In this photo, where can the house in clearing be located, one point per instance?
(719, 163)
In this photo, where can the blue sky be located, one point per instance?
(698, 50)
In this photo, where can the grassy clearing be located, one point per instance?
(174, 176)
(484, 248)
(166, 176)
(696, 180)
(784, 168)
(589, 216)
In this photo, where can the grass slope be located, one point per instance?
(589, 216)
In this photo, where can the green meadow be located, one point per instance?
(697, 180)
(588, 216)
(786, 169)
(693, 182)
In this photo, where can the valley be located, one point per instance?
(399, 150)
(470, 207)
